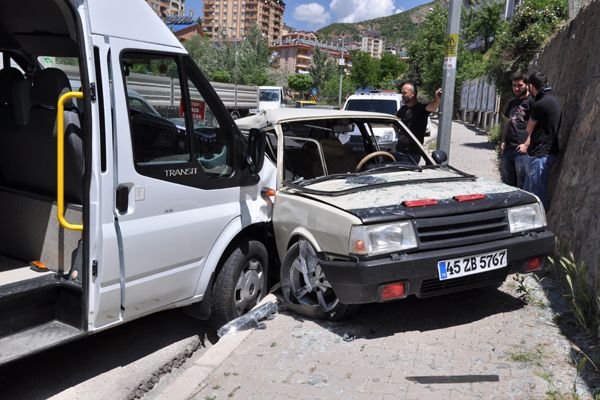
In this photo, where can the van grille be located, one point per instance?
(461, 230)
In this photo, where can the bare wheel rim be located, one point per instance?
(307, 280)
(249, 287)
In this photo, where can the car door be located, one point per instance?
(175, 191)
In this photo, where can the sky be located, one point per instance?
(311, 15)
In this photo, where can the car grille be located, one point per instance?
(461, 230)
(432, 287)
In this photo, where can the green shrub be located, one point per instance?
(578, 291)
(495, 134)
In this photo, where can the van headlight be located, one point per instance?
(524, 218)
(379, 239)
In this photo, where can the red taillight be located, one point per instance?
(469, 197)
(420, 203)
(533, 265)
(395, 290)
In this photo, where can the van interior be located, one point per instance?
(41, 262)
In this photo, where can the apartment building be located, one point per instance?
(234, 18)
(295, 51)
(167, 7)
(372, 43)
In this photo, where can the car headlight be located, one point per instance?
(524, 218)
(379, 239)
(386, 136)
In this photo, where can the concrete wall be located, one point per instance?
(572, 62)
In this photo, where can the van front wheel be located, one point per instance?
(241, 282)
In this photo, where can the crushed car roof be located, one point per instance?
(272, 117)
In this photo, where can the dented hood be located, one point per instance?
(379, 197)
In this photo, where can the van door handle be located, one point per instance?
(122, 199)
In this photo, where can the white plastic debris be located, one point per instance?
(251, 320)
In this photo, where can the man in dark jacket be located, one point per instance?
(514, 133)
(542, 141)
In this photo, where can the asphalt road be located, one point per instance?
(111, 364)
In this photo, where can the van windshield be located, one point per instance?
(382, 106)
(269, 95)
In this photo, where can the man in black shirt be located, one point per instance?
(514, 133)
(542, 141)
(414, 114)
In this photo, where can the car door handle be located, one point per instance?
(122, 199)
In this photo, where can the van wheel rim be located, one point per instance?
(307, 280)
(249, 287)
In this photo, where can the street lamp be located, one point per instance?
(342, 63)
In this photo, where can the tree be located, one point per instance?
(253, 58)
(364, 70)
(322, 69)
(221, 76)
(482, 22)
(330, 92)
(300, 83)
(427, 50)
(519, 40)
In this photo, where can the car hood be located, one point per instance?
(380, 197)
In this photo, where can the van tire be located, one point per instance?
(241, 283)
(309, 305)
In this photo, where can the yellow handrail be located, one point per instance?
(60, 160)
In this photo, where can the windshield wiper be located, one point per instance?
(324, 178)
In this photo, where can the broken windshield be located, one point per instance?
(321, 149)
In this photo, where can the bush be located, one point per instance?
(495, 134)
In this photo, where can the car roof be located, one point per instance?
(272, 117)
(379, 96)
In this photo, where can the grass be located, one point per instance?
(527, 356)
(526, 292)
(579, 293)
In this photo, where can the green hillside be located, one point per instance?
(396, 29)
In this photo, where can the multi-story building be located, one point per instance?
(167, 7)
(234, 18)
(372, 43)
(295, 51)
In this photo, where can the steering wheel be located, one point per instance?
(370, 156)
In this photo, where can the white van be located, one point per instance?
(108, 211)
(382, 102)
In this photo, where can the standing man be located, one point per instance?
(413, 113)
(514, 132)
(542, 140)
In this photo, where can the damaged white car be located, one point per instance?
(355, 225)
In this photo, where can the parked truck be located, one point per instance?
(240, 100)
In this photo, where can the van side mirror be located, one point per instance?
(439, 156)
(255, 156)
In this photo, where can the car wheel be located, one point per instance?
(241, 282)
(305, 288)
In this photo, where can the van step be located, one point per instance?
(36, 339)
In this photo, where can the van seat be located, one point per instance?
(28, 153)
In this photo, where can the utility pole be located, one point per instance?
(445, 127)
(342, 63)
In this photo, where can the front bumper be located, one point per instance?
(359, 282)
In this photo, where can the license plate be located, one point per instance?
(457, 267)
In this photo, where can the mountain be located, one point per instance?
(396, 29)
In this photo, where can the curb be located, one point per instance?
(192, 381)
